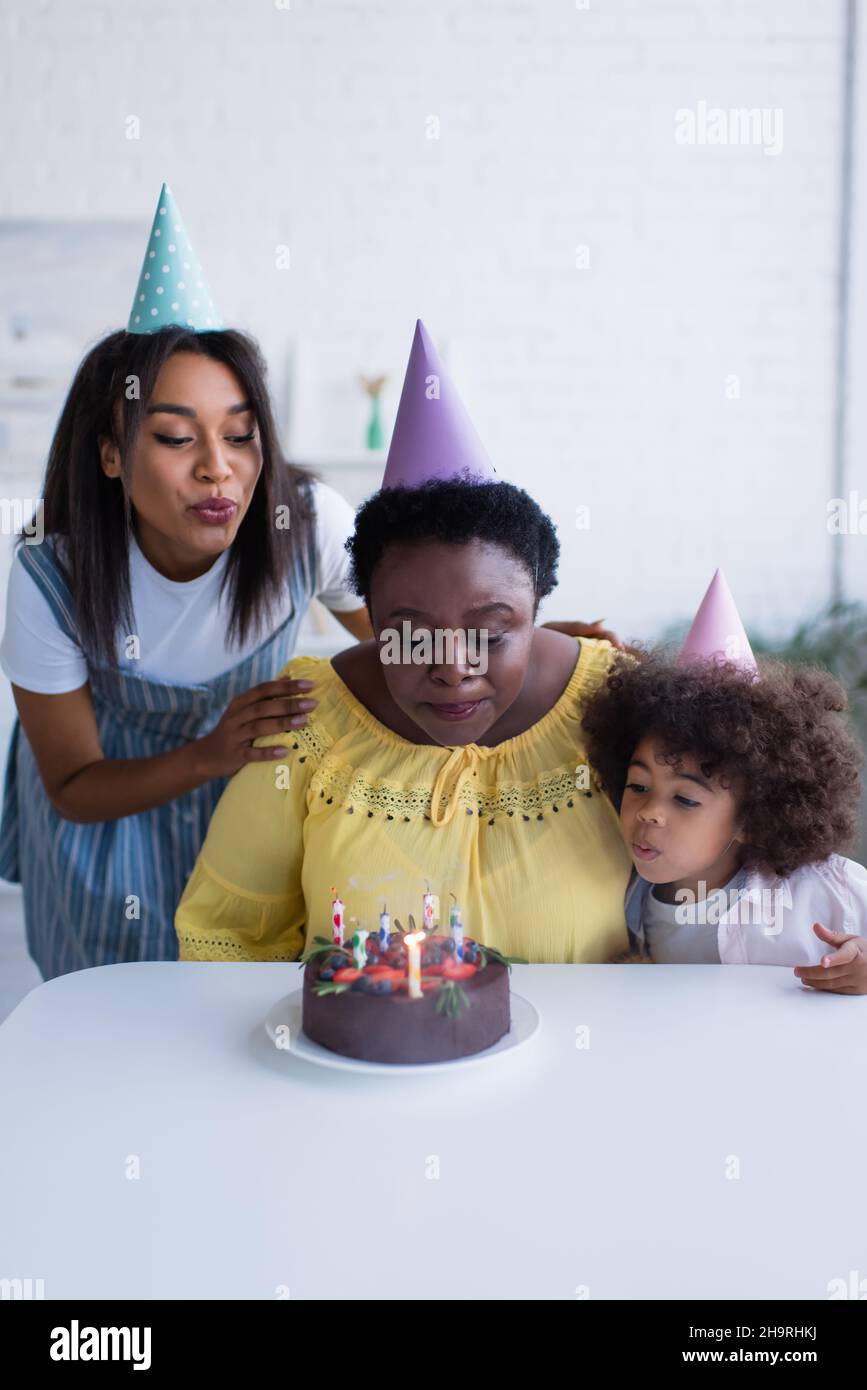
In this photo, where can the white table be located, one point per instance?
(600, 1169)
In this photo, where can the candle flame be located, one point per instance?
(415, 937)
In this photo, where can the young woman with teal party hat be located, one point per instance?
(144, 635)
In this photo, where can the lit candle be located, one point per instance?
(456, 929)
(359, 948)
(427, 911)
(337, 910)
(384, 928)
(413, 959)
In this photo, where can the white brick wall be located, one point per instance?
(604, 385)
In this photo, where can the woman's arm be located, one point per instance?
(575, 628)
(595, 629)
(81, 784)
(85, 786)
(357, 621)
(244, 899)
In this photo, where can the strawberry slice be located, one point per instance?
(427, 985)
(432, 970)
(458, 971)
(345, 974)
(384, 972)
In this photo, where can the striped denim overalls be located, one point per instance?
(105, 892)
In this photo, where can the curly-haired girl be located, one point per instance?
(737, 787)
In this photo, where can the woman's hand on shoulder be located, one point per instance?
(594, 629)
(268, 708)
(842, 971)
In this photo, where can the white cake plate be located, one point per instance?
(283, 1026)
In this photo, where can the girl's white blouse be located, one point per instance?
(774, 925)
(758, 919)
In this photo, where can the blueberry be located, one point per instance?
(382, 987)
(326, 973)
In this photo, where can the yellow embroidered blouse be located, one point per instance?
(535, 861)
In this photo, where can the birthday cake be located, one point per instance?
(405, 997)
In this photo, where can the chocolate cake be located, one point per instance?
(368, 1013)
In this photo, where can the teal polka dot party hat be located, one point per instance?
(171, 287)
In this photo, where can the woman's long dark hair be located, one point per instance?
(94, 513)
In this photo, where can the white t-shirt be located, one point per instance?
(675, 933)
(181, 627)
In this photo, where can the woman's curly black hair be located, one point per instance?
(781, 741)
(455, 511)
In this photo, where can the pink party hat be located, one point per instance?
(434, 436)
(717, 631)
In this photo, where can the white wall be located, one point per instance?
(309, 126)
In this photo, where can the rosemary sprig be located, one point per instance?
(451, 998)
(326, 949)
(330, 988)
(491, 952)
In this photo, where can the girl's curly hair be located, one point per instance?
(783, 741)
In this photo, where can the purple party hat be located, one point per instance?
(434, 436)
(717, 631)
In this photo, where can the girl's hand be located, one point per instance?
(843, 971)
(594, 629)
(269, 708)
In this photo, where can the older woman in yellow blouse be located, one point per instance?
(465, 775)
